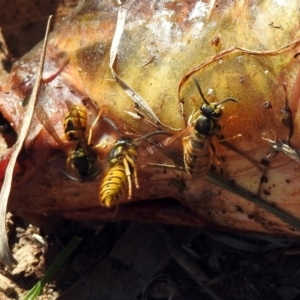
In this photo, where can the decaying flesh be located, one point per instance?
(161, 44)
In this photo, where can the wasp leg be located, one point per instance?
(131, 162)
(135, 178)
(229, 138)
(165, 166)
(217, 165)
(128, 175)
(93, 125)
(185, 143)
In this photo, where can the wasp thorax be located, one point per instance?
(120, 149)
(82, 165)
(204, 126)
(81, 162)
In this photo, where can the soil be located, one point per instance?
(128, 260)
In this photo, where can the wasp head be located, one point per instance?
(212, 111)
(121, 148)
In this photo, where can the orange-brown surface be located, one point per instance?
(161, 42)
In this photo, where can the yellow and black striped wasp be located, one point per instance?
(122, 169)
(82, 158)
(197, 149)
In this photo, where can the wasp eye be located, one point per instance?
(217, 113)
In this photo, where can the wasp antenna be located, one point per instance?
(226, 100)
(151, 134)
(200, 91)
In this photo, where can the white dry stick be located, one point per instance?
(285, 149)
(5, 254)
(113, 58)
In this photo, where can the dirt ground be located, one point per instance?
(128, 260)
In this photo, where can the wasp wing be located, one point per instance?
(43, 117)
(169, 146)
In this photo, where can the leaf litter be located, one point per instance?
(129, 260)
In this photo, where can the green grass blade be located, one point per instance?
(37, 289)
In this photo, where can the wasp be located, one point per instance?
(75, 122)
(83, 159)
(122, 169)
(197, 151)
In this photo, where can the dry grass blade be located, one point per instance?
(285, 149)
(5, 254)
(282, 215)
(113, 59)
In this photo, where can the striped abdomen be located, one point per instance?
(197, 155)
(113, 185)
(75, 122)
